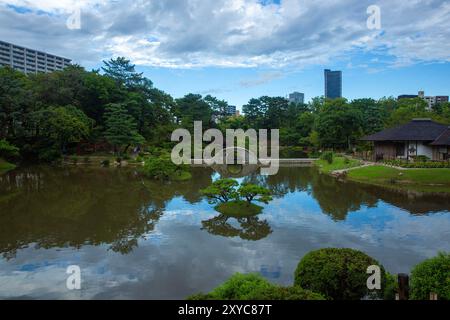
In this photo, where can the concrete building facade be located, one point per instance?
(430, 100)
(297, 98)
(231, 110)
(29, 60)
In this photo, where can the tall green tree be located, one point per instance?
(407, 110)
(338, 124)
(219, 107)
(15, 102)
(61, 126)
(374, 114)
(121, 129)
(124, 73)
(193, 107)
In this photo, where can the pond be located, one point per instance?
(140, 239)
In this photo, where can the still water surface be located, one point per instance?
(139, 239)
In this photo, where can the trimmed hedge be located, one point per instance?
(339, 274)
(418, 165)
(255, 287)
(431, 276)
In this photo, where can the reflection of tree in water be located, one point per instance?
(251, 228)
(72, 207)
(338, 198)
(288, 180)
(335, 198)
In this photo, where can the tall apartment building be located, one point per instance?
(231, 110)
(333, 84)
(297, 98)
(430, 100)
(29, 60)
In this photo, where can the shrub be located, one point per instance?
(339, 274)
(431, 276)
(162, 168)
(286, 293)
(241, 287)
(255, 287)
(418, 165)
(8, 151)
(327, 156)
(421, 159)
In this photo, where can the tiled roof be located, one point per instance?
(416, 130)
(443, 139)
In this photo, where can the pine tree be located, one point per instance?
(121, 129)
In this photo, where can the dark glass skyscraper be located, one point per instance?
(333, 84)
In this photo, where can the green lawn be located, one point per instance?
(426, 180)
(5, 166)
(339, 163)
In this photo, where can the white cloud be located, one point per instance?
(231, 33)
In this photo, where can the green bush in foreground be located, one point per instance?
(431, 276)
(339, 274)
(255, 287)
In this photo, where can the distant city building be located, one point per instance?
(333, 84)
(29, 60)
(297, 98)
(231, 110)
(407, 96)
(430, 100)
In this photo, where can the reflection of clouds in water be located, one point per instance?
(174, 257)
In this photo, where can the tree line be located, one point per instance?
(48, 115)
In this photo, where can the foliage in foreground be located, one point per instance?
(431, 276)
(339, 274)
(255, 287)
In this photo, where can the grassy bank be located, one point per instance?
(424, 180)
(339, 163)
(5, 166)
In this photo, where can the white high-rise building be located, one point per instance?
(29, 60)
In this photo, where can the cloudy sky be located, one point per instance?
(238, 49)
